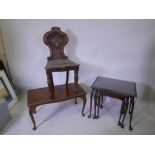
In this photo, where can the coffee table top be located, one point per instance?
(120, 87)
(41, 96)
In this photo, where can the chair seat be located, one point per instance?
(60, 63)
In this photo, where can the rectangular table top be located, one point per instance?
(124, 88)
(41, 95)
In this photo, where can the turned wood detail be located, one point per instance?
(50, 83)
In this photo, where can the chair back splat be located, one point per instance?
(56, 40)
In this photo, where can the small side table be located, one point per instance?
(123, 90)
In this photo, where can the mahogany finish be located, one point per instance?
(123, 90)
(37, 97)
(56, 62)
(56, 41)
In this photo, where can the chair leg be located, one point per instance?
(50, 83)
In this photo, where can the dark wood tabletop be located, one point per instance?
(120, 87)
(41, 96)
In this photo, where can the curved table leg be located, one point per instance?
(98, 104)
(84, 104)
(76, 101)
(34, 111)
(101, 105)
(31, 111)
(126, 109)
(95, 104)
(121, 111)
(132, 108)
(91, 97)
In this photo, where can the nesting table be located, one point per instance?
(123, 90)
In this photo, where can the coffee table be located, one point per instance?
(123, 90)
(40, 96)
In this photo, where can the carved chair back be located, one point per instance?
(56, 41)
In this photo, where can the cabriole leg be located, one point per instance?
(101, 106)
(31, 111)
(84, 104)
(76, 101)
(126, 109)
(95, 104)
(50, 83)
(91, 98)
(132, 108)
(121, 111)
(98, 104)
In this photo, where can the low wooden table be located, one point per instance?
(37, 97)
(123, 90)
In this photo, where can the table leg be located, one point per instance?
(35, 110)
(67, 76)
(76, 78)
(98, 104)
(50, 83)
(132, 108)
(31, 111)
(76, 101)
(95, 104)
(101, 106)
(84, 104)
(126, 109)
(91, 98)
(121, 111)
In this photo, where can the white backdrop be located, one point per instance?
(121, 49)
